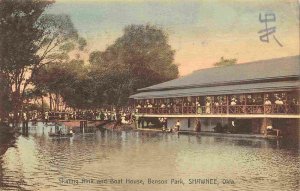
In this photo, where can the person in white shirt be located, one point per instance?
(233, 102)
(207, 109)
(177, 125)
(25, 116)
(199, 109)
(268, 102)
(269, 127)
(279, 101)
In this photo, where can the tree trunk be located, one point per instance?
(42, 104)
(50, 96)
(17, 106)
(56, 102)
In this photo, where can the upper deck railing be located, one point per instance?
(222, 109)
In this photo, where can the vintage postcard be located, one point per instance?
(149, 95)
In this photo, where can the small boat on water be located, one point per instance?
(60, 135)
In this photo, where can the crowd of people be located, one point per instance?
(280, 103)
(123, 116)
(259, 103)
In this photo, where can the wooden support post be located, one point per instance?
(212, 111)
(227, 105)
(81, 126)
(182, 105)
(264, 110)
(245, 104)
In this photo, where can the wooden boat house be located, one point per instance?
(249, 96)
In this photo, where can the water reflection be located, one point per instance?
(38, 162)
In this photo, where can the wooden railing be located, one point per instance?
(223, 109)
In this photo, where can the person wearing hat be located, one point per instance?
(268, 106)
(279, 101)
(199, 109)
(268, 102)
(233, 101)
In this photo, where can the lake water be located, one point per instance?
(37, 162)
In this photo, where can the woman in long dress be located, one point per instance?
(199, 109)
(207, 109)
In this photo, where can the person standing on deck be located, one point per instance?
(232, 123)
(198, 126)
(207, 109)
(294, 106)
(233, 102)
(199, 109)
(279, 101)
(234, 130)
(46, 117)
(267, 106)
(177, 125)
(267, 102)
(142, 122)
(279, 105)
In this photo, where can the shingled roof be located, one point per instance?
(258, 76)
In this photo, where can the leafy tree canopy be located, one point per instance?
(225, 62)
(140, 57)
(31, 39)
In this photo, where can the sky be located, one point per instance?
(201, 32)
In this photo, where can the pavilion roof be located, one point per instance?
(274, 74)
(221, 90)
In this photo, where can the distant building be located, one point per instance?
(254, 95)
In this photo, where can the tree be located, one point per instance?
(64, 82)
(5, 101)
(225, 62)
(30, 39)
(140, 57)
